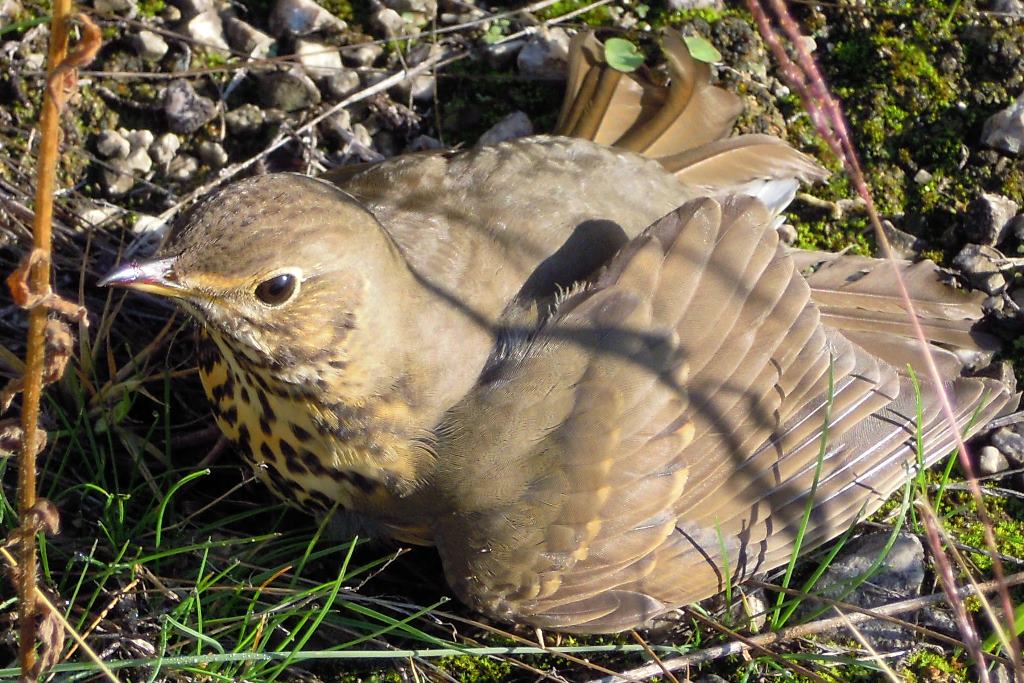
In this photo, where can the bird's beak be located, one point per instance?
(154, 277)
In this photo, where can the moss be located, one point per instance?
(1007, 516)
(340, 8)
(926, 666)
(471, 669)
(151, 8)
(600, 16)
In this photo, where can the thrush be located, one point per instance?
(582, 365)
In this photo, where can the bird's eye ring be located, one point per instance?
(277, 290)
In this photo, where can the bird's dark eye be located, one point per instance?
(277, 289)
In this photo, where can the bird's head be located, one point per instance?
(286, 269)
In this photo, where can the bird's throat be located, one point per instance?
(310, 453)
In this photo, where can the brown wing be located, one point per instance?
(664, 421)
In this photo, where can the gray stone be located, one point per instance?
(501, 55)
(898, 577)
(111, 144)
(423, 142)
(164, 148)
(319, 60)
(1017, 227)
(1004, 130)
(340, 84)
(546, 55)
(182, 168)
(978, 263)
(302, 17)
(787, 233)
(139, 160)
(992, 461)
(1012, 8)
(9, 9)
(125, 8)
(117, 178)
(515, 125)
(248, 39)
(186, 110)
(427, 8)
(364, 54)
(987, 220)
(337, 126)
(922, 177)
(207, 29)
(1010, 443)
(361, 136)
(212, 154)
(138, 139)
(245, 120)
(149, 45)
(190, 8)
(392, 23)
(288, 89)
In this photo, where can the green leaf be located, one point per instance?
(701, 50)
(622, 55)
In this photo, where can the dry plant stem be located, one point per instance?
(39, 278)
(738, 646)
(828, 119)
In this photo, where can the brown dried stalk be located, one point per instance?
(32, 287)
(827, 116)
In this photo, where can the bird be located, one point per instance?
(580, 365)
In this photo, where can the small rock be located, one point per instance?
(9, 9)
(427, 8)
(340, 84)
(391, 22)
(145, 223)
(977, 261)
(186, 110)
(111, 144)
(515, 125)
(1017, 227)
(319, 60)
(423, 142)
(126, 8)
(1004, 130)
(500, 55)
(245, 120)
(170, 14)
(361, 136)
(117, 178)
(904, 244)
(992, 461)
(207, 30)
(164, 148)
(213, 154)
(364, 54)
(749, 611)
(302, 17)
(987, 220)
(288, 89)
(337, 126)
(787, 233)
(183, 167)
(1011, 8)
(546, 55)
(99, 215)
(190, 8)
(248, 39)
(922, 177)
(138, 139)
(1010, 443)
(898, 577)
(150, 46)
(139, 160)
